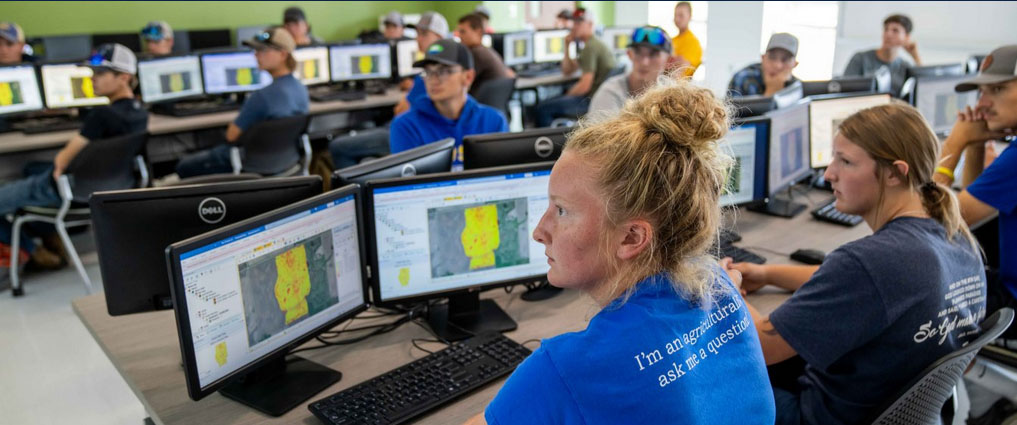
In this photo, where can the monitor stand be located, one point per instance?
(282, 384)
(540, 292)
(467, 315)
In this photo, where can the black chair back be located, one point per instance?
(496, 93)
(105, 165)
(271, 147)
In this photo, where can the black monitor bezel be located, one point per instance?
(38, 86)
(201, 76)
(500, 37)
(469, 142)
(395, 159)
(42, 84)
(221, 51)
(391, 62)
(822, 97)
(760, 156)
(194, 389)
(924, 70)
(372, 253)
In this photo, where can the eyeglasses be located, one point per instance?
(652, 35)
(439, 72)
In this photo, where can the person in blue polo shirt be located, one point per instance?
(285, 97)
(447, 110)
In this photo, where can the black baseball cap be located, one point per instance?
(447, 52)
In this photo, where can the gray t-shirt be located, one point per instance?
(865, 64)
(611, 95)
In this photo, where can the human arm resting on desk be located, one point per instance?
(784, 276)
(775, 348)
(69, 151)
(583, 86)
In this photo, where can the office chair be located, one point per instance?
(922, 400)
(496, 93)
(359, 146)
(215, 178)
(102, 165)
(278, 147)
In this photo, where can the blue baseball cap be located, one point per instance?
(12, 32)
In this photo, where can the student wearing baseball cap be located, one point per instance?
(772, 73)
(394, 26)
(158, 36)
(114, 67)
(649, 51)
(295, 22)
(431, 28)
(284, 97)
(12, 45)
(563, 20)
(446, 110)
(485, 14)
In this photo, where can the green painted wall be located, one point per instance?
(330, 20)
(603, 9)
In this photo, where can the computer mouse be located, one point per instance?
(808, 256)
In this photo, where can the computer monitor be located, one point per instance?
(839, 85)
(787, 159)
(69, 85)
(170, 78)
(549, 46)
(209, 39)
(130, 40)
(233, 71)
(312, 65)
(515, 48)
(500, 149)
(950, 69)
(617, 38)
(428, 159)
(66, 47)
(936, 99)
(247, 33)
(406, 53)
(746, 142)
(752, 106)
(453, 235)
(825, 115)
(789, 95)
(248, 293)
(19, 90)
(354, 62)
(141, 223)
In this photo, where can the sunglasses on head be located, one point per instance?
(152, 31)
(263, 36)
(652, 35)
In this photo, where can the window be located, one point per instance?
(815, 25)
(661, 14)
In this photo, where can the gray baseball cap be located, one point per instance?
(999, 66)
(783, 40)
(434, 22)
(483, 11)
(394, 18)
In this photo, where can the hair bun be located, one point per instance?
(682, 113)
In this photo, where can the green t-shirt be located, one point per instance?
(596, 58)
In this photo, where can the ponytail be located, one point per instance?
(942, 205)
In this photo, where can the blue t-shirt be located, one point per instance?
(997, 187)
(879, 311)
(285, 97)
(423, 124)
(656, 359)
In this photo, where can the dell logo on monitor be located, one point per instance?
(408, 170)
(543, 146)
(212, 210)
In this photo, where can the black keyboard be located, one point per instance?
(740, 255)
(402, 394)
(189, 109)
(344, 95)
(46, 125)
(534, 73)
(828, 212)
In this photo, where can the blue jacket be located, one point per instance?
(423, 124)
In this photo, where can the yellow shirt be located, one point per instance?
(687, 45)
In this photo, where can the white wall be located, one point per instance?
(945, 31)
(734, 29)
(630, 13)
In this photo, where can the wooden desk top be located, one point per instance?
(144, 348)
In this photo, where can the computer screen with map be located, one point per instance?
(249, 292)
(456, 233)
(789, 147)
(746, 143)
(361, 62)
(617, 38)
(825, 115)
(516, 48)
(549, 46)
(312, 65)
(19, 90)
(939, 103)
(163, 79)
(69, 85)
(232, 72)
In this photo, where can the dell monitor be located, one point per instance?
(170, 78)
(549, 46)
(130, 40)
(354, 62)
(19, 90)
(312, 65)
(427, 159)
(233, 71)
(752, 106)
(950, 69)
(208, 39)
(936, 99)
(453, 235)
(406, 52)
(825, 115)
(248, 293)
(69, 85)
(746, 143)
(617, 38)
(140, 224)
(787, 159)
(839, 85)
(515, 48)
(500, 149)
